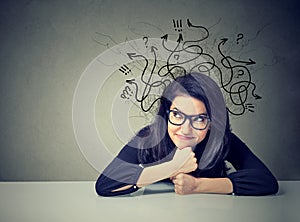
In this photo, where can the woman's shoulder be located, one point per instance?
(237, 148)
(139, 138)
(234, 139)
(144, 132)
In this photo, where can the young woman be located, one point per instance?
(188, 144)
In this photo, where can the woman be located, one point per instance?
(188, 143)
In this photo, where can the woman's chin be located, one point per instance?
(182, 145)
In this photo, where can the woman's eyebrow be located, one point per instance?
(200, 114)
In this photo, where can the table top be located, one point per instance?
(78, 201)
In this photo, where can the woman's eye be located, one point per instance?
(177, 115)
(199, 119)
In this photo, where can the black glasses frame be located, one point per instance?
(189, 117)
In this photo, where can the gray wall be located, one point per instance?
(47, 45)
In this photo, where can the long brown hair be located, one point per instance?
(153, 142)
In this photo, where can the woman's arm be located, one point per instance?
(125, 175)
(184, 161)
(252, 177)
(122, 172)
(187, 184)
(151, 175)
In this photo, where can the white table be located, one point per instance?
(77, 201)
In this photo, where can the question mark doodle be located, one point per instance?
(239, 37)
(127, 92)
(176, 56)
(240, 73)
(145, 40)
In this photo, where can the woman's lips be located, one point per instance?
(185, 137)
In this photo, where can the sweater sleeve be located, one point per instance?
(252, 176)
(122, 171)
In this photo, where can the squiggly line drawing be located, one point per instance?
(233, 74)
(241, 87)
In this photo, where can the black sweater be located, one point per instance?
(251, 177)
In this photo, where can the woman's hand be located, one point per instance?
(184, 161)
(184, 183)
(187, 184)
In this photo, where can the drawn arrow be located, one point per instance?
(194, 26)
(131, 55)
(130, 81)
(198, 27)
(180, 38)
(153, 48)
(165, 37)
(257, 96)
(224, 40)
(250, 62)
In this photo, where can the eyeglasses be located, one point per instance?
(198, 122)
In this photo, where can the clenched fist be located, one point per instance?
(184, 183)
(184, 161)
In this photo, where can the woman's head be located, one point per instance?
(186, 109)
(189, 95)
(205, 97)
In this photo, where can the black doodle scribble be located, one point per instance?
(249, 107)
(239, 81)
(147, 81)
(124, 69)
(239, 37)
(177, 25)
(145, 38)
(178, 28)
(233, 73)
(126, 93)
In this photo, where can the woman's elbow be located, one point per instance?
(100, 190)
(102, 186)
(273, 187)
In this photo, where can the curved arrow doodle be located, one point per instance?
(233, 74)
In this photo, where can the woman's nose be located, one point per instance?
(186, 127)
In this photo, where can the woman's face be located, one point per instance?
(185, 135)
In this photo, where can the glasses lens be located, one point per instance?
(176, 118)
(199, 122)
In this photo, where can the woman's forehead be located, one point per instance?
(188, 105)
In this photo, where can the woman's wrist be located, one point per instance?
(156, 173)
(213, 185)
(199, 185)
